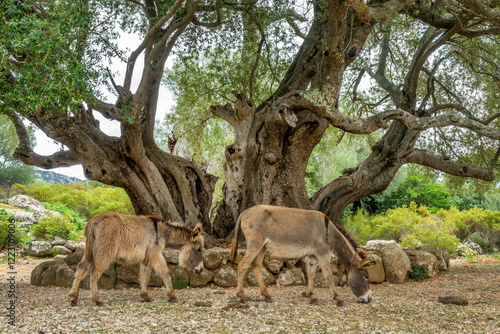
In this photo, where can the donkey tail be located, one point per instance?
(89, 235)
(234, 243)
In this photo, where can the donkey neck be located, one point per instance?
(341, 246)
(175, 236)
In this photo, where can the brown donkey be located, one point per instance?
(115, 237)
(294, 233)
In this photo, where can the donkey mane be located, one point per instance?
(176, 226)
(354, 244)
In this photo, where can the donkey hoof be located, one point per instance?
(74, 302)
(304, 293)
(268, 300)
(173, 300)
(314, 301)
(340, 303)
(147, 300)
(99, 303)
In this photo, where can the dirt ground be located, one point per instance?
(411, 307)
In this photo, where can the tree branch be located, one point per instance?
(423, 158)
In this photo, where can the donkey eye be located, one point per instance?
(199, 250)
(366, 276)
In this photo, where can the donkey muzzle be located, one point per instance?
(366, 298)
(198, 268)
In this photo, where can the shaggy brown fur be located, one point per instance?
(289, 233)
(125, 239)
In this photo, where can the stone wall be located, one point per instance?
(391, 264)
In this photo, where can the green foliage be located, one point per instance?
(417, 188)
(407, 225)
(55, 226)
(418, 272)
(19, 233)
(84, 200)
(76, 220)
(11, 170)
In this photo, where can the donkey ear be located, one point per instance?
(197, 231)
(364, 264)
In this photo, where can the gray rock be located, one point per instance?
(25, 202)
(291, 276)
(39, 248)
(107, 280)
(80, 247)
(130, 274)
(58, 241)
(376, 273)
(291, 263)
(272, 264)
(426, 259)
(64, 276)
(396, 263)
(201, 279)
(60, 257)
(266, 275)
(226, 277)
(73, 259)
(61, 250)
(443, 257)
(212, 259)
(70, 244)
(457, 300)
(180, 278)
(36, 274)
(171, 256)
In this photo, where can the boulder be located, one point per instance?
(474, 246)
(396, 263)
(73, 259)
(320, 282)
(37, 273)
(171, 256)
(423, 258)
(130, 274)
(58, 241)
(25, 202)
(443, 257)
(226, 277)
(70, 244)
(201, 279)
(64, 276)
(272, 264)
(180, 278)
(61, 250)
(266, 275)
(38, 248)
(80, 247)
(376, 273)
(291, 276)
(212, 259)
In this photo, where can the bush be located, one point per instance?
(406, 225)
(19, 234)
(85, 200)
(55, 226)
(418, 272)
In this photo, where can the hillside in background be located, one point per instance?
(56, 178)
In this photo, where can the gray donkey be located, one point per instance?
(289, 233)
(125, 239)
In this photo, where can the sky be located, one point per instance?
(47, 146)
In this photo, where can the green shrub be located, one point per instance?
(55, 226)
(405, 225)
(85, 200)
(418, 272)
(19, 233)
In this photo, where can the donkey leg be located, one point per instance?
(160, 266)
(253, 249)
(312, 265)
(100, 265)
(144, 273)
(324, 263)
(257, 270)
(81, 272)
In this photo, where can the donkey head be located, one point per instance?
(190, 256)
(358, 277)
